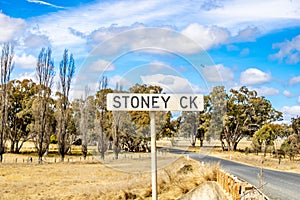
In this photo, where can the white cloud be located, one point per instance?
(289, 51)
(290, 112)
(44, 3)
(287, 93)
(101, 66)
(34, 41)
(158, 65)
(206, 37)
(298, 99)
(236, 14)
(294, 80)
(211, 5)
(154, 40)
(171, 84)
(253, 76)
(245, 52)
(10, 27)
(217, 73)
(120, 81)
(27, 75)
(247, 34)
(25, 61)
(72, 27)
(266, 91)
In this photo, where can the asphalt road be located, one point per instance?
(278, 185)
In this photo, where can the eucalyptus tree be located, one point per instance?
(246, 113)
(141, 118)
(42, 106)
(6, 67)
(170, 127)
(263, 138)
(66, 74)
(20, 113)
(291, 145)
(296, 125)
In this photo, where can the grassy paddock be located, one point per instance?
(95, 180)
(242, 156)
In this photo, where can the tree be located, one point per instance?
(66, 73)
(118, 120)
(189, 125)
(81, 114)
(20, 114)
(204, 121)
(103, 116)
(42, 105)
(296, 125)
(141, 118)
(84, 116)
(246, 113)
(282, 130)
(217, 110)
(170, 127)
(263, 138)
(5, 72)
(291, 146)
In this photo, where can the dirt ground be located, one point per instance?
(114, 179)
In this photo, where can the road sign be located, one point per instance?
(154, 102)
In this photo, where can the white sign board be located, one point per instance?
(154, 102)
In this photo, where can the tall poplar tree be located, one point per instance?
(42, 104)
(66, 73)
(6, 68)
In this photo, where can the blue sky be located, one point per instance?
(184, 46)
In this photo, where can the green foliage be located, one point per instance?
(245, 113)
(281, 130)
(217, 110)
(291, 146)
(19, 112)
(296, 125)
(189, 125)
(170, 128)
(141, 118)
(264, 137)
(53, 139)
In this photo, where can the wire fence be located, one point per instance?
(92, 157)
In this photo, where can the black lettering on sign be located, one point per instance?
(136, 102)
(181, 102)
(125, 97)
(165, 100)
(116, 100)
(154, 101)
(145, 102)
(192, 101)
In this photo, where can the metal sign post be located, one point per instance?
(153, 103)
(153, 155)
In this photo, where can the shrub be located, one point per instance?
(53, 139)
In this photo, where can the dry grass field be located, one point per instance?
(270, 161)
(95, 180)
